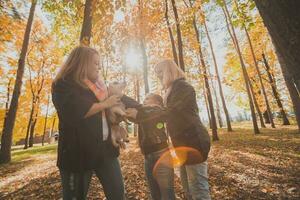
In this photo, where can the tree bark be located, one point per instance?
(179, 38)
(29, 123)
(282, 18)
(6, 139)
(145, 65)
(261, 119)
(229, 128)
(237, 47)
(217, 105)
(52, 127)
(142, 45)
(206, 105)
(7, 102)
(86, 30)
(174, 51)
(32, 127)
(260, 80)
(207, 86)
(285, 120)
(292, 90)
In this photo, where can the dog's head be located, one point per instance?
(116, 88)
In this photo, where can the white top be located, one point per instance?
(105, 129)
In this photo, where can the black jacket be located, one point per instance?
(151, 133)
(183, 122)
(80, 143)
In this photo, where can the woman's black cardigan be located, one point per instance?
(80, 144)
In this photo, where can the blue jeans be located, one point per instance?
(194, 180)
(161, 185)
(76, 185)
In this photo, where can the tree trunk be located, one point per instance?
(145, 65)
(292, 90)
(237, 47)
(32, 127)
(142, 46)
(206, 105)
(86, 30)
(269, 112)
(260, 116)
(46, 118)
(207, 86)
(282, 18)
(260, 80)
(179, 38)
(52, 127)
(217, 105)
(29, 123)
(137, 95)
(229, 128)
(7, 97)
(7, 102)
(174, 51)
(6, 139)
(275, 92)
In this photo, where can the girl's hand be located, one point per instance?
(131, 113)
(112, 101)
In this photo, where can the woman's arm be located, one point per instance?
(107, 103)
(130, 102)
(72, 106)
(181, 98)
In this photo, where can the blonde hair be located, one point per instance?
(76, 65)
(171, 72)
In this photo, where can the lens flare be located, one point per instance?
(176, 157)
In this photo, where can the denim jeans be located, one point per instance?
(76, 185)
(194, 180)
(161, 185)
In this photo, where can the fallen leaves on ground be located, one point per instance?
(241, 166)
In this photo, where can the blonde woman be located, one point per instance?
(184, 127)
(84, 144)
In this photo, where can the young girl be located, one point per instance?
(153, 143)
(84, 144)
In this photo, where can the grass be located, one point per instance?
(23, 154)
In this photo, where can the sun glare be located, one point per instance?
(133, 59)
(119, 16)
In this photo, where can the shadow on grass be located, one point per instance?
(46, 187)
(23, 158)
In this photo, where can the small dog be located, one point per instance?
(117, 114)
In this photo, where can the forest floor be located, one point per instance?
(241, 166)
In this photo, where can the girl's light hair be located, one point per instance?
(170, 70)
(76, 65)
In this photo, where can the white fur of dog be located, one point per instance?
(116, 115)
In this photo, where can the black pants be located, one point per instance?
(76, 185)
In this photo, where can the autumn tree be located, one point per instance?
(232, 33)
(206, 80)
(227, 116)
(245, 21)
(179, 38)
(6, 139)
(171, 37)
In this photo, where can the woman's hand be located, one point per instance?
(112, 101)
(131, 113)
